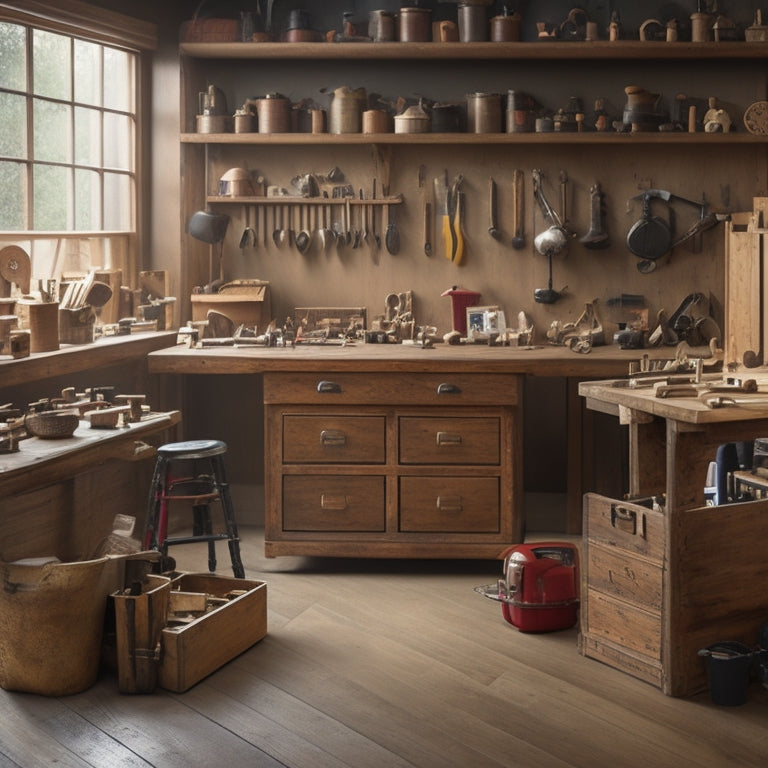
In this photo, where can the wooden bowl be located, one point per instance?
(52, 425)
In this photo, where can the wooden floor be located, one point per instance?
(374, 664)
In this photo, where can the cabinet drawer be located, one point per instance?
(392, 388)
(449, 504)
(449, 440)
(622, 624)
(620, 575)
(333, 503)
(333, 439)
(631, 527)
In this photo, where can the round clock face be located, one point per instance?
(756, 118)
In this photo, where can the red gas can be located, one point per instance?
(540, 588)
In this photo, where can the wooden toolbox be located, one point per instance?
(193, 650)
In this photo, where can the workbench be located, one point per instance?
(60, 496)
(390, 390)
(664, 575)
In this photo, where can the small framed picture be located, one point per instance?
(484, 322)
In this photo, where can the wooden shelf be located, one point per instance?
(591, 137)
(601, 49)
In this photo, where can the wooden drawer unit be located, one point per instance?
(333, 439)
(392, 464)
(622, 586)
(449, 440)
(449, 504)
(333, 503)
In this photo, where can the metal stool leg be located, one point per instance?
(229, 517)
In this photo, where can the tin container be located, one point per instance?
(346, 112)
(484, 113)
(521, 117)
(376, 121)
(274, 114)
(245, 123)
(448, 118)
(214, 124)
(414, 120)
(473, 23)
(506, 28)
(415, 25)
(381, 26)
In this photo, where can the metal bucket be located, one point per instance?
(484, 113)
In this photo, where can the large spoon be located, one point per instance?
(303, 237)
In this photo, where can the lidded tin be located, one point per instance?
(381, 26)
(506, 28)
(521, 117)
(346, 112)
(415, 25)
(473, 23)
(376, 121)
(483, 113)
(414, 120)
(274, 113)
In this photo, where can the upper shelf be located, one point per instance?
(601, 49)
(588, 137)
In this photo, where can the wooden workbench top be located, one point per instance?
(547, 360)
(610, 396)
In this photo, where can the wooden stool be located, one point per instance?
(193, 472)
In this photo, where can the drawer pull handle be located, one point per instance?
(333, 502)
(450, 504)
(448, 389)
(624, 519)
(450, 439)
(325, 387)
(331, 437)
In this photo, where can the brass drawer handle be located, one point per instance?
(448, 389)
(331, 437)
(450, 504)
(624, 519)
(325, 387)
(450, 439)
(332, 502)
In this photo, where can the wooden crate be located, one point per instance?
(199, 648)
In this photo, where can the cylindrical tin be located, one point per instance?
(415, 25)
(521, 117)
(213, 124)
(42, 319)
(413, 120)
(346, 113)
(274, 114)
(381, 26)
(701, 27)
(376, 121)
(473, 24)
(506, 29)
(544, 125)
(448, 118)
(245, 123)
(318, 120)
(483, 113)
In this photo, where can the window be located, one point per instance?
(70, 163)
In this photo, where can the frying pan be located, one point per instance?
(650, 237)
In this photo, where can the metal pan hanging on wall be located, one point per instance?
(208, 226)
(650, 237)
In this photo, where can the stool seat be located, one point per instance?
(191, 471)
(192, 449)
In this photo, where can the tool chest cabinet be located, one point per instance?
(393, 464)
(659, 584)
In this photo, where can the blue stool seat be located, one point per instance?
(193, 472)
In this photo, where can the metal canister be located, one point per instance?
(346, 112)
(521, 117)
(381, 26)
(274, 114)
(506, 28)
(448, 118)
(377, 121)
(483, 113)
(473, 23)
(415, 25)
(245, 122)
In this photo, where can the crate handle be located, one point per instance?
(624, 519)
